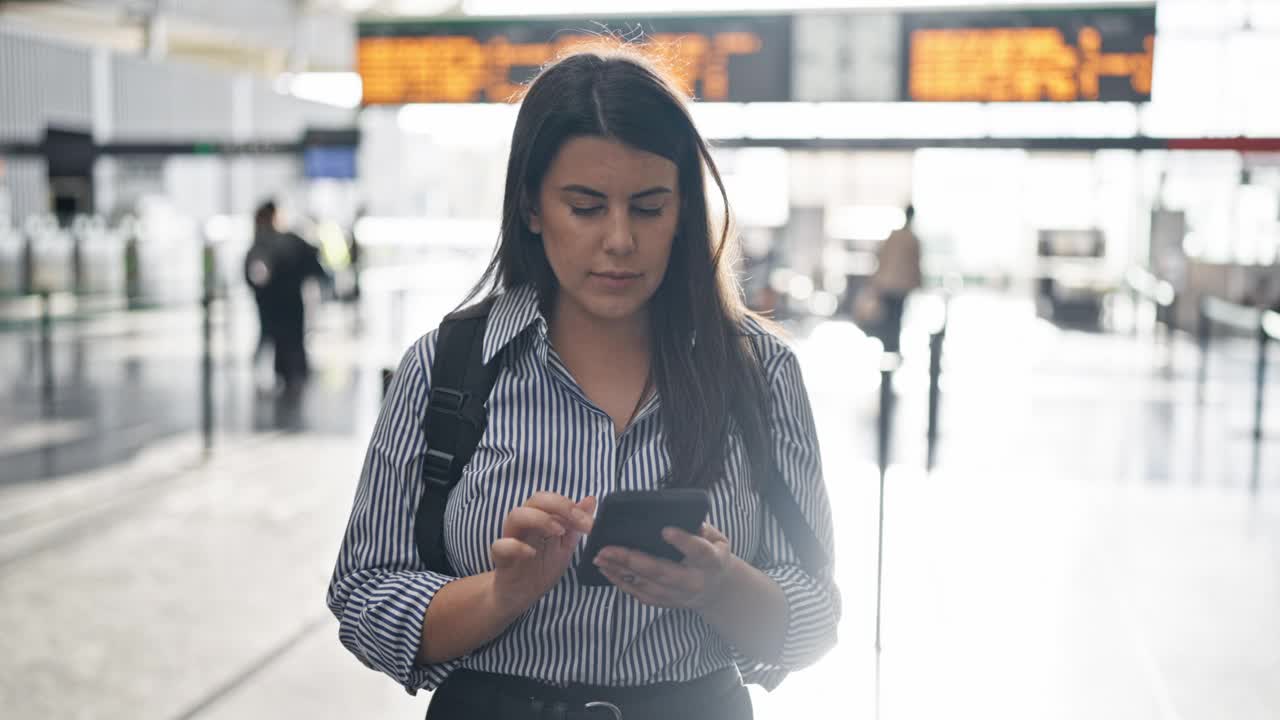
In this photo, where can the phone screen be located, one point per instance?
(635, 519)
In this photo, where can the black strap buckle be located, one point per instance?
(457, 404)
(447, 400)
(437, 467)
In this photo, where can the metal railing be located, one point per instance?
(1151, 288)
(1160, 293)
(890, 362)
(44, 309)
(1263, 326)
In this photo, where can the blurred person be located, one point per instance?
(626, 359)
(897, 274)
(276, 266)
(1269, 294)
(334, 255)
(354, 254)
(257, 270)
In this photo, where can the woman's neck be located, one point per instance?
(582, 338)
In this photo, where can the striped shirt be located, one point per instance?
(544, 434)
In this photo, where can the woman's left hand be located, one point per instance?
(693, 583)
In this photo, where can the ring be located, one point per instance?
(629, 579)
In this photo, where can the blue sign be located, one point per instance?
(329, 162)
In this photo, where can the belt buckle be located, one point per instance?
(602, 705)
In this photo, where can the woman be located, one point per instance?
(629, 363)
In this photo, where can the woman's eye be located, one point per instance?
(587, 211)
(647, 212)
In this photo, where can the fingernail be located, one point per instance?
(669, 534)
(580, 516)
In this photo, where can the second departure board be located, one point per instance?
(1029, 56)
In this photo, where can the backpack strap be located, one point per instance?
(455, 419)
(784, 507)
(794, 525)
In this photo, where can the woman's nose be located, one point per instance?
(619, 238)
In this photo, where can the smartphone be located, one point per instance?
(634, 519)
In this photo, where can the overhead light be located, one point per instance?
(1271, 323)
(719, 120)
(895, 120)
(422, 7)
(462, 124)
(864, 222)
(800, 287)
(1067, 119)
(778, 119)
(340, 89)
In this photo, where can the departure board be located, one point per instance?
(1029, 56)
(740, 59)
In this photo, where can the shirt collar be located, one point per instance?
(514, 311)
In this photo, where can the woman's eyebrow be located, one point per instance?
(651, 191)
(584, 190)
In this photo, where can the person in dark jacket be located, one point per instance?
(276, 266)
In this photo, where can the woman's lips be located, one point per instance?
(615, 280)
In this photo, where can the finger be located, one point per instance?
(652, 569)
(507, 552)
(564, 509)
(713, 534)
(576, 528)
(636, 580)
(551, 503)
(642, 590)
(528, 522)
(698, 552)
(588, 505)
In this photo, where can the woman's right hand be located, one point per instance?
(537, 544)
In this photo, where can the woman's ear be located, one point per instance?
(531, 217)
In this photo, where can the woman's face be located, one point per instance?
(607, 214)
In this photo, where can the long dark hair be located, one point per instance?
(706, 373)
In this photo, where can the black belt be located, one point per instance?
(596, 702)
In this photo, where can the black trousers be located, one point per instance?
(281, 316)
(892, 305)
(467, 694)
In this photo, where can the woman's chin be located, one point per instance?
(609, 307)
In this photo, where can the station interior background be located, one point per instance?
(1079, 492)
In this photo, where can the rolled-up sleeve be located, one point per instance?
(380, 590)
(813, 600)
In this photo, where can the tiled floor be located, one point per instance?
(1089, 544)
